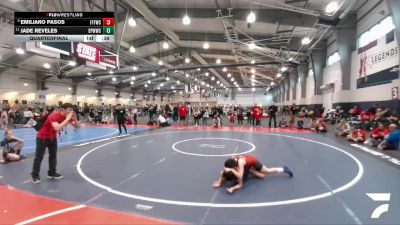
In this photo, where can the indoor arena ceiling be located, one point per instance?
(157, 51)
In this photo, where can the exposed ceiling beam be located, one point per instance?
(212, 70)
(263, 15)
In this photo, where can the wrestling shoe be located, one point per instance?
(56, 176)
(287, 171)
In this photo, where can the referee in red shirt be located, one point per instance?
(47, 138)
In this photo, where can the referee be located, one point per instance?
(120, 115)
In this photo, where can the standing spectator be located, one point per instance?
(257, 116)
(46, 138)
(205, 116)
(240, 116)
(3, 119)
(175, 113)
(232, 119)
(120, 114)
(12, 147)
(182, 114)
(27, 115)
(248, 115)
(272, 115)
(196, 117)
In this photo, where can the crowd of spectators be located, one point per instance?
(375, 126)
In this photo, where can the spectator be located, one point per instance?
(162, 121)
(196, 117)
(313, 125)
(321, 112)
(282, 123)
(12, 147)
(358, 135)
(322, 126)
(31, 122)
(343, 128)
(182, 114)
(248, 115)
(257, 116)
(300, 121)
(391, 140)
(232, 119)
(217, 121)
(272, 114)
(3, 119)
(377, 135)
(205, 116)
(240, 116)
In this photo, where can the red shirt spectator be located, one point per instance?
(364, 117)
(47, 131)
(378, 133)
(356, 111)
(182, 111)
(358, 133)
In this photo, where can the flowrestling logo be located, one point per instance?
(379, 197)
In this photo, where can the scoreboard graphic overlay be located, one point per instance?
(64, 26)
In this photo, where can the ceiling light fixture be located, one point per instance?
(283, 69)
(187, 75)
(134, 68)
(132, 49)
(218, 61)
(187, 60)
(20, 51)
(46, 65)
(229, 74)
(160, 63)
(206, 45)
(224, 69)
(207, 74)
(132, 82)
(253, 61)
(278, 75)
(305, 41)
(132, 22)
(89, 74)
(153, 74)
(133, 78)
(331, 7)
(251, 18)
(114, 79)
(186, 20)
(165, 45)
(72, 63)
(252, 46)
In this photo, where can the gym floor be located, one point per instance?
(165, 175)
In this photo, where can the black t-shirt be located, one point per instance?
(120, 114)
(8, 145)
(272, 110)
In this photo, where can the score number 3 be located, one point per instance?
(108, 21)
